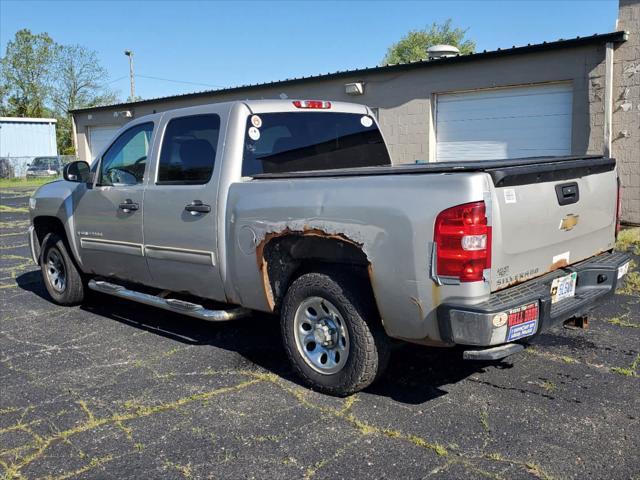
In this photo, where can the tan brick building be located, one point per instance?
(577, 96)
(625, 107)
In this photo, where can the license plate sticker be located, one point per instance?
(563, 287)
(522, 321)
(623, 269)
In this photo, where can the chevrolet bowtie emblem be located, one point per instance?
(569, 222)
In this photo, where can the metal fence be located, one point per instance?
(16, 167)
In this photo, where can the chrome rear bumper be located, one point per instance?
(597, 278)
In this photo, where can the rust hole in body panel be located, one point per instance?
(288, 262)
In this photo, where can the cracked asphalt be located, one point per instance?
(113, 389)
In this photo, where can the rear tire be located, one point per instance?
(62, 278)
(332, 334)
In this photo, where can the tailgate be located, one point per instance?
(546, 220)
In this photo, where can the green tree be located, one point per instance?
(80, 83)
(80, 80)
(39, 78)
(413, 46)
(3, 93)
(26, 73)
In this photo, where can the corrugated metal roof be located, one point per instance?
(615, 37)
(27, 120)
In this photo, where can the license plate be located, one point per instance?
(522, 321)
(563, 287)
(622, 270)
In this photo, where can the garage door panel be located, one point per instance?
(491, 150)
(101, 137)
(504, 123)
(508, 111)
(522, 91)
(555, 128)
(482, 100)
(513, 106)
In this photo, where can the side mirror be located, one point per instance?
(78, 171)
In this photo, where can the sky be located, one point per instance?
(202, 45)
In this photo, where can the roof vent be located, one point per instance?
(442, 51)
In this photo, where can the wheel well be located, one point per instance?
(285, 258)
(45, 225)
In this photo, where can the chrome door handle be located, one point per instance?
(128, 206)
(197, 207)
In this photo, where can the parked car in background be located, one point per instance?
(45, 167)
(294, 208)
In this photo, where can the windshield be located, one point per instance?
(303, 141)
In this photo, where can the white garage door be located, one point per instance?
(100, 137)
(504, 123)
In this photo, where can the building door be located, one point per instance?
(99, 138)
(499, 123)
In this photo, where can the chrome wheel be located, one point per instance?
(321, 335)
(55, 271)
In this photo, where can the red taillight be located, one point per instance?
(619, 209)
(317, 104)
(463, 242)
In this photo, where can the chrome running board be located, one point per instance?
(172, 304)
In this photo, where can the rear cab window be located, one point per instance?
(303, 141)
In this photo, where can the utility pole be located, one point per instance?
(129, 53)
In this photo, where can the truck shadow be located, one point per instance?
(415, 374)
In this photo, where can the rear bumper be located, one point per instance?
(597, 278)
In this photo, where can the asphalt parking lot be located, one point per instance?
(113, 389)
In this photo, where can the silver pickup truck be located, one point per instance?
(294, 208)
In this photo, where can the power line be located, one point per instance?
(179, 81)
(116, 80)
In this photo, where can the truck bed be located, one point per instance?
(504, 173)
(535, 229)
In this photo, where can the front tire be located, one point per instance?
(331, 333)
(61, 277)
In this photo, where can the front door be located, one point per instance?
(108, 217)
(180, 214)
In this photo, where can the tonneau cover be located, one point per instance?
(508, 172)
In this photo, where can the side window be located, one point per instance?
(124, 162)
(189, 150)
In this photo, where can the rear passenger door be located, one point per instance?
(180, 214)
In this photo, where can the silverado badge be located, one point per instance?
(569, 222)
